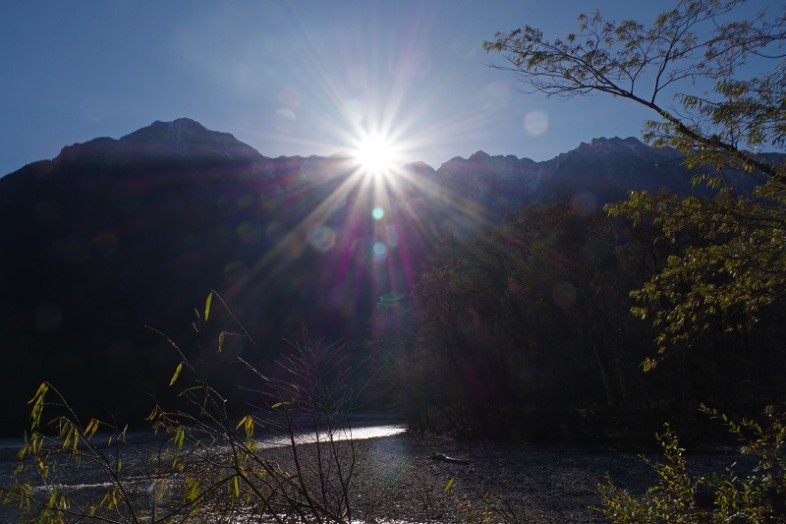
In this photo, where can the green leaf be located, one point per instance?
(178, 369)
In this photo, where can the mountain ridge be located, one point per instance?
(181, 134)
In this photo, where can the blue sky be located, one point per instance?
(298, 77)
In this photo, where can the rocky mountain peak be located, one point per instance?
(180, 139)
(186, 137)
(479, 156)
(612, 145)
(177, 130)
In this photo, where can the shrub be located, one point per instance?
(206, 463)
(756, 494)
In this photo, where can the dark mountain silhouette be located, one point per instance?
(115, 235)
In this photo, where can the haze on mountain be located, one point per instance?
(116, 236)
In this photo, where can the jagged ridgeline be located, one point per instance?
(115, 235)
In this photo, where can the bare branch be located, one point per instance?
(687, 46)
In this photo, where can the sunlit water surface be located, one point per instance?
(86, 478)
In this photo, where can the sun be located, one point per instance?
(376, 155)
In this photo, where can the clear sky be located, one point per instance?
(295, 77)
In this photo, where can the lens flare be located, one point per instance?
(536, 123)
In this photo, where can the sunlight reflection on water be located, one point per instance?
(361, 433)
(139, 441)
(78, 479)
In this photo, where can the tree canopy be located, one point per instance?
(696, 46)
(715, 79)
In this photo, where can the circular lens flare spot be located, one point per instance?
(380, 250)
(536, 123)
(323, 239)
(378, 213)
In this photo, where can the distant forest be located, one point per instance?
(526, 331)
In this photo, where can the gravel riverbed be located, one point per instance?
(396, 479)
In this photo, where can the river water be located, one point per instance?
(136, 455)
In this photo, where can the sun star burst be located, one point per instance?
(377, 155)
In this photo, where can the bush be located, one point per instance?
(755, 495)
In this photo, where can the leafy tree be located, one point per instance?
(715, 80)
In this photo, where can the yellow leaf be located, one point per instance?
(207, 305)
(248, 425)
(179, 438)
(155, 413)
(193, 490)
(450, 485)
(40, 392)
(177, 374)
(91, 429)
